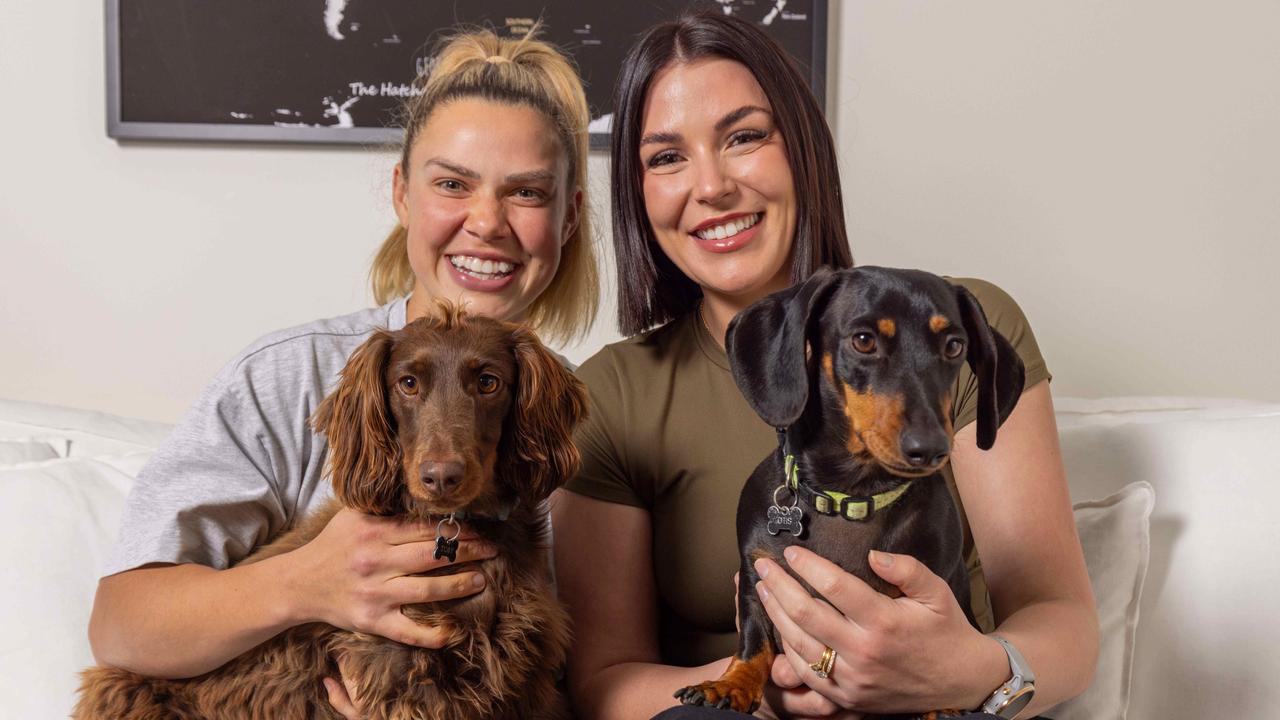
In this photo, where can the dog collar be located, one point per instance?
(503, 513)
(467, 515)
(830, 502)
(447, 547)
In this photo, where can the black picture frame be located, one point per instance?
(158, 84)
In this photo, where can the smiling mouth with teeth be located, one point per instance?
(482, 269)
(729, 229)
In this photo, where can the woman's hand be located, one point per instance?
(799, 701)
(364, 574)
(359, 570)
(794, 700)
(907, 654)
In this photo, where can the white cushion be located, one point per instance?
(1205, 644)
(26, 450)
(58, 520)
(85, 432)
(1115, 536)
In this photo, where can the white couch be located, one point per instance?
(1204, 646)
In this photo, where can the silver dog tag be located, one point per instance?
(785, 519)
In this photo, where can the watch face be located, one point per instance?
(1016, 703)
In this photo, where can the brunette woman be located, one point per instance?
(726, 189)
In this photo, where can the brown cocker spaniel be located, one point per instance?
(451, 414)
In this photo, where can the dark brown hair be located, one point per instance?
(651, 289)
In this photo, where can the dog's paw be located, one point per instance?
(723, 695)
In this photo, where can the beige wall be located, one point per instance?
(1115, 166)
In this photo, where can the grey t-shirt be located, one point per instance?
(243, 465)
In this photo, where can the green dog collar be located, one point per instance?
(830, 502)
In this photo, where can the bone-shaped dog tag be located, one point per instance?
(446, 547)
(785, 519)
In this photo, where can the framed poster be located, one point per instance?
(338, 71)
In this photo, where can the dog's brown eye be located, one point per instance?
(954, 349)
(409, 385)
(488, 384)
(864, 342)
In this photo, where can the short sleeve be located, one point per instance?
(604, 474)
(211, 493)
(1005, 317)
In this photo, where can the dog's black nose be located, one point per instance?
(441, 477)
(925, 449)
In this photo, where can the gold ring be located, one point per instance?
(823, 667)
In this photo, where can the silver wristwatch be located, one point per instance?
(1010, 698)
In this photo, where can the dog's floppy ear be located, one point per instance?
(995, 364)
(364, 457)
(549, 403)
(766, 346)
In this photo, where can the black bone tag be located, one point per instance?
(448, 548)
(785, 519)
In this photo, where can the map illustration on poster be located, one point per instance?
(338, 71)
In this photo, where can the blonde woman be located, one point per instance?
(490, 197)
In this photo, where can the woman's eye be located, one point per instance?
(666, 157)
(488, 384)
(530, 194)
(954, 348)
(864, 342)
(409, 385)
(746, 136)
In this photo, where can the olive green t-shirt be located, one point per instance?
(670, 432)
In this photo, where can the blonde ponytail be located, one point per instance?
(390, 274)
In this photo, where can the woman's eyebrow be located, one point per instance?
(531, 176)
(660, 138)
(665, 137)
(723, 123)
(454, 168)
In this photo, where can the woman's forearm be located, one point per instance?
(637, 690)
(178, 621)
(1059, 640)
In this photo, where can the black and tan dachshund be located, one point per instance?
(855, 368)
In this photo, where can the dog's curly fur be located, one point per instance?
(507, 643)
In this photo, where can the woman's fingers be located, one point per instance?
(364, 569)
(397, 627)
(913, 578)
(846, 592)
(798, 616)
(801, 662)
(800, 647)
(410, 590)
(399, 532)
(799, 703)
(340, 699)
(417, 557)
(783, 675)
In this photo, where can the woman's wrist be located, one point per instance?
(988, 667)
(289, 601)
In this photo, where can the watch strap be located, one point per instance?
(1011, 697)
